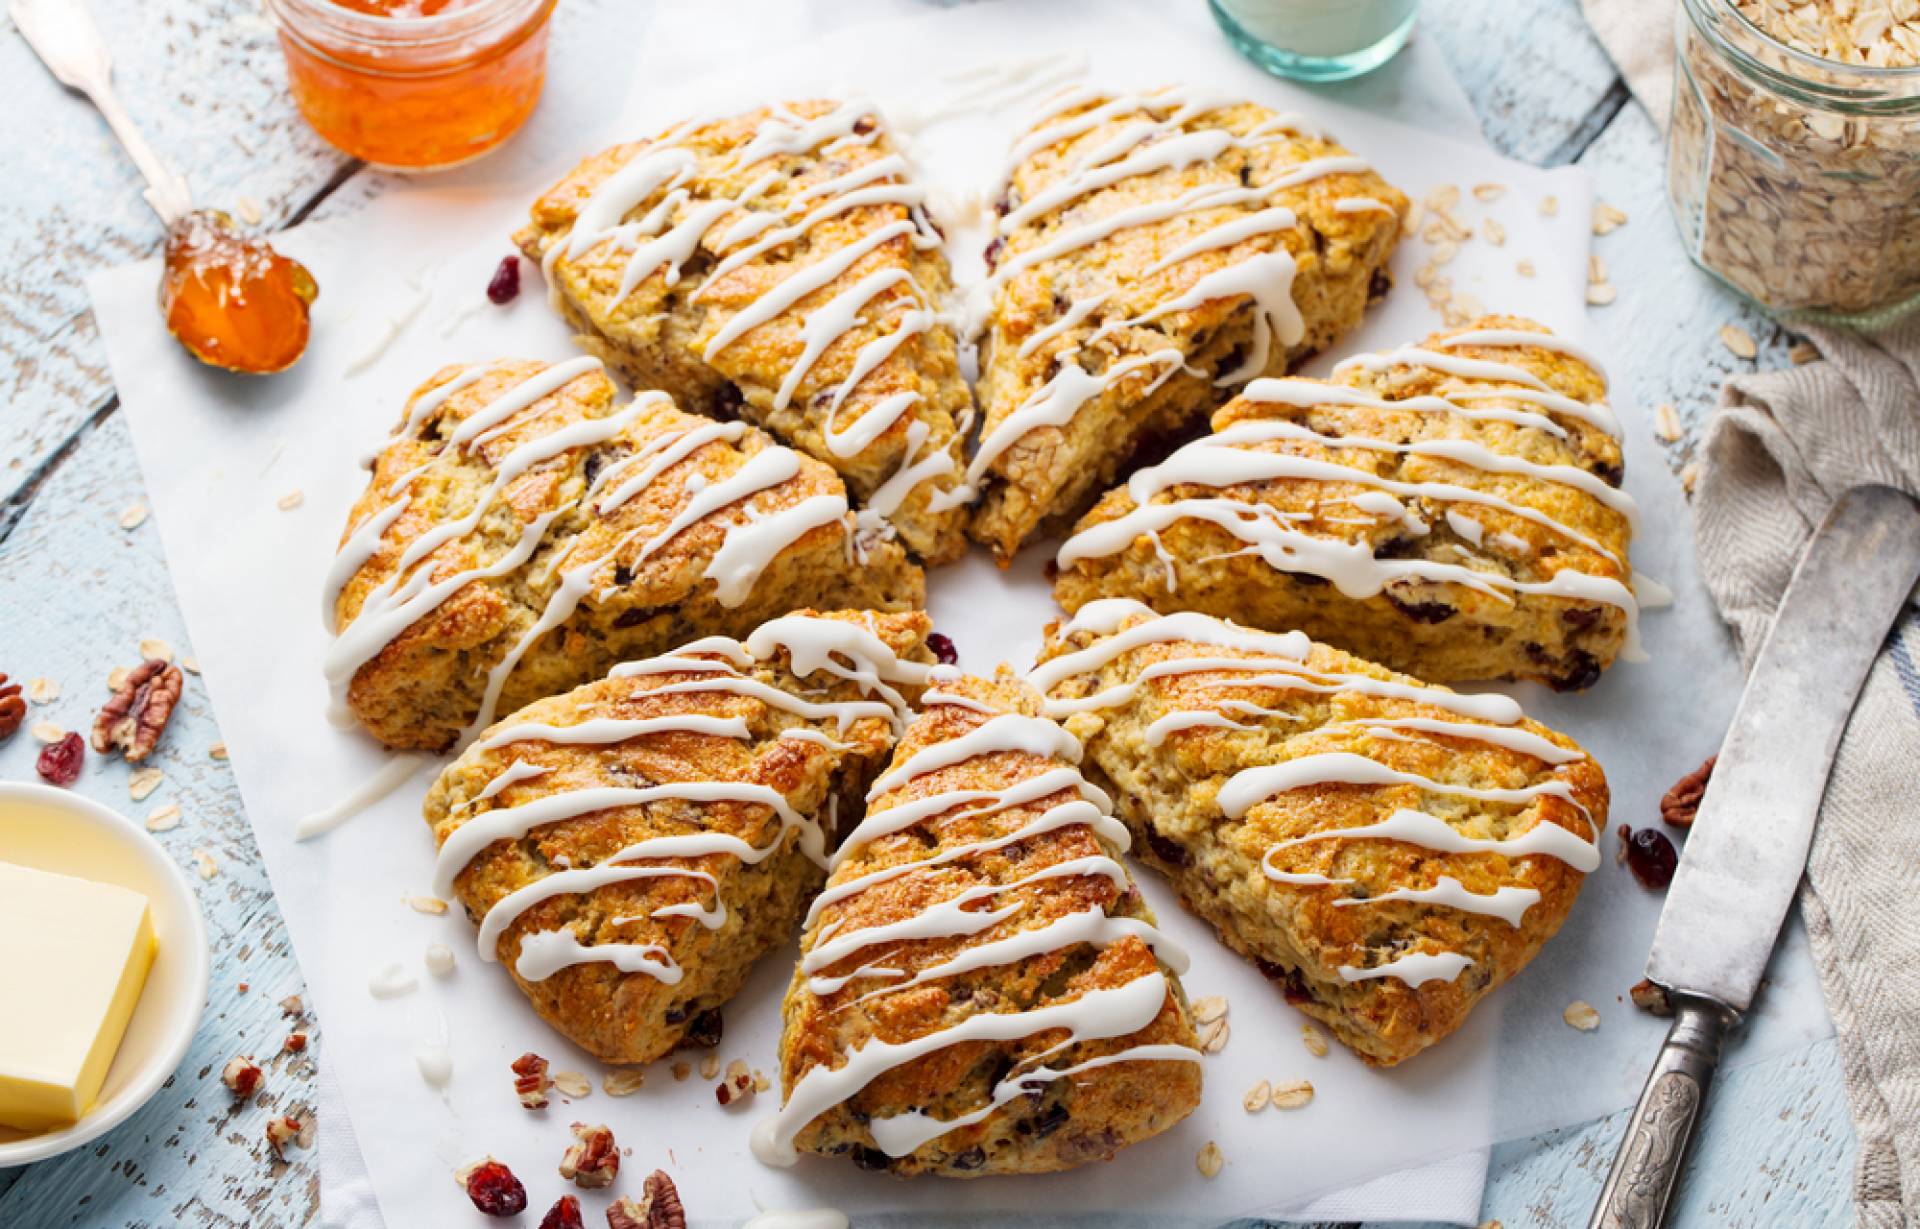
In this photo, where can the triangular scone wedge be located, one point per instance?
(777, 266)
(1154, 251)
(981, 987)
(630, 848)
(1387, 851)
(522, 532)
(1451, 509)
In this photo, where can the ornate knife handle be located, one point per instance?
(1647, 1169)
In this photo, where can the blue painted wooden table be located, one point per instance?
(82, 582)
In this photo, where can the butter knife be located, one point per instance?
(1748, 845)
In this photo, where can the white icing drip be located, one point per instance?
(361, 545)
(1190, 719)
(1416, 969)
(1516, 338)
(603, 731)
(1509, 904)
(1096, 1015)
(1085, 926)
(661, 455)
(904, 815)
(807, 734)
(1174, 153)
(1267, 279)
(799, 285)
(1055, 403)
(392, 775)
(827, 325)
(1468, 528)
(423, 406)
(747, 549)
(495, 416)
(1003, 732)
(1076, 311)
(1362, 204)
(547, 952)
(875, 420)
(1251, 786)
(1306, 394)
(1524, 741)
(1260, 222)
(914, 470)
(514, 773)
(1431, 832)
(955, 699)
(768, 468)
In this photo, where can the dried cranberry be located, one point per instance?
(1652, 858)
(495, 1191)
(60, 762)
(943, 649)
(504, 286)
(564, 1214)
(993, 253)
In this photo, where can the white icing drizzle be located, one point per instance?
(1415, 968)
(392, 775)
(1524, 741)
(1431, 832)
(1526, 337)
(812, 645)
(1095, 1015)
(665, 165)
(1055, 403)
(1251, 786)
(1509, 904)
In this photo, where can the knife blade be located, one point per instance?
(1749, 841)
(1748, 844)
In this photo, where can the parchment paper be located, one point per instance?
(219, 453)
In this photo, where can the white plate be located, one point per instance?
(52, 830)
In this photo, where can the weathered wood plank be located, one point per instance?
(206, 82)
(80, 594)
(1538, 80)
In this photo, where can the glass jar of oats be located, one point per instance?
(1793, 160)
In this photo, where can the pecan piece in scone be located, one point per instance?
(137, 715)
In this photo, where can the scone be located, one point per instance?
(981, 988)
(1152, 250)
(522, 532)
(630, 848)
(777, 266)
(1451, 509)
(1387, 851)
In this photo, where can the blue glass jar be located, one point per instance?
(1317, 40)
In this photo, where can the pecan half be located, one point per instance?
(593, 1161)
(657, 1208)
(137, 715)
(530, 1080)
(242, 1076)
(1682, 802)
(13, 708)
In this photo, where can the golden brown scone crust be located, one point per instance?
(1440, 630)
(428, 684)
(1086, 1117)
(1051, 474)
(1299, 935)
(656, 335)
(636, 1017)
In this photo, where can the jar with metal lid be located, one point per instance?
(1793, 160)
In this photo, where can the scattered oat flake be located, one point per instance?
(144, 782)
(1258, 1097)
(217, 751)
(760, 1081)
(43, 691)
(1314, 1040)
(164, 818)
(1444, 253)
(1292, 1095)
(1549, 206)
(47, 732)
(1803, 352)
(1581, 1015)
(117, 678)
(1210, 1160)
(204, 863)
(152, 648)
(1607, 219)
(1495, 233)
(1414, 214)
(709, 1066)
(1596, 268)
(1446, 196)
(1207, 1010)
(1213, 1035)
(190, 664)
(681, 1071)
(572, 1083)
(1738, 341)
(1666, 423)
(134, 517)
(1489, 191)
(1601, 294)
(1689, 475)
(291, 500)
(248, 210)
(1524, 268)
(623, 1081)
(427, 904)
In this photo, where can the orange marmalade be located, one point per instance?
(414, 84)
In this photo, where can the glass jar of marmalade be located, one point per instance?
(414, 84)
